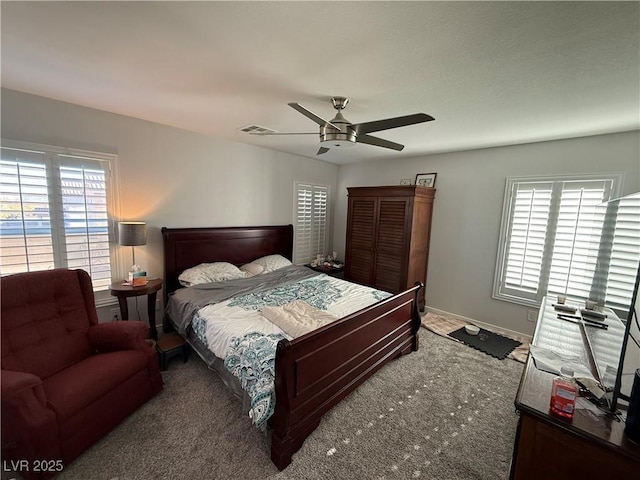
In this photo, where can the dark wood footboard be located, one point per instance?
(314, 372)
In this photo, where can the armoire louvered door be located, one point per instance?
(391, 244)
(361, 240)
(388, 230)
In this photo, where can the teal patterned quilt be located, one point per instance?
(251, 356)
(252, 359)
(318, 292)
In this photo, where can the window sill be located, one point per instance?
(517, 300)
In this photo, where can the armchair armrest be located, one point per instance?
(28, 424)
(17, 386)
(114, 336)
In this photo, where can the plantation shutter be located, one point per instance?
(26, 243)
(530, 208)
(54, 214)
(311, 220)
(577, 237)
(85, 233)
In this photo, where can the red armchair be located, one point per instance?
(66, 380)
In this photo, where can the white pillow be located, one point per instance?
(210, 272)
(251, 269)
(272, 262)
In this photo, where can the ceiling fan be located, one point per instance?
(340, 133)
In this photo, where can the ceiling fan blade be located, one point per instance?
(283, 133)
(322, 150)
(309, 114)
(386, 124)
(378, 142)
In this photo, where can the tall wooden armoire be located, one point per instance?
(388, 231)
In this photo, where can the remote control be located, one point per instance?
(592, 314)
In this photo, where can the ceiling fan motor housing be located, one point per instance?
(331, 137)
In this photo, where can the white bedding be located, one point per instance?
(225, 322)
(236, 330)
(297, 318)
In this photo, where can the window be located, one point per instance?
(558, 237)
(311, 220)
(54, 208)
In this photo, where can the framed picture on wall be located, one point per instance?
(426, 179)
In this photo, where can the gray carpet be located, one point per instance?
(444, 412)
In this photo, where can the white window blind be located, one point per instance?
(526, 241)
(311, 221)
(54, 213)
(577, 237)
(558, 237)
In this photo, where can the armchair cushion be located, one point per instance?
(98, 375)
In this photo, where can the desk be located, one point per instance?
(590, 446)
(122, 291)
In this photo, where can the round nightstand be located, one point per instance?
(122, 291)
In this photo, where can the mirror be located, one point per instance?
(616, 351)
(630, 353)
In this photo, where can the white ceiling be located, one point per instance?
(491, 73)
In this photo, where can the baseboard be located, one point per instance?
(488, 326)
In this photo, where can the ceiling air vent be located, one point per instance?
(258, 130)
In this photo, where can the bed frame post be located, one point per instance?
(281, 442)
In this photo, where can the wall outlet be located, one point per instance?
(115, 314)
(532, 315)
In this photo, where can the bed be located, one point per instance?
(315, 371)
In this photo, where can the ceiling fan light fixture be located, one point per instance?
(337, 144)
(331, 138)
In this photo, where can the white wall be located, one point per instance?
(468, 208)
(167, 176)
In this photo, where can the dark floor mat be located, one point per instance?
(488, 342)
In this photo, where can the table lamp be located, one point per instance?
(132, 234)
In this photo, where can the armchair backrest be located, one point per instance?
(45, 320)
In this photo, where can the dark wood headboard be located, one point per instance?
(188, 247)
